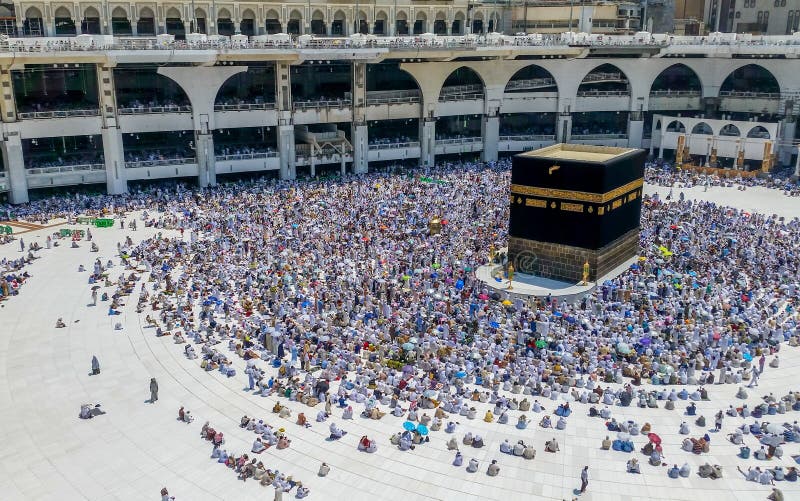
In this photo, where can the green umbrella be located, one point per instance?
(541, 343)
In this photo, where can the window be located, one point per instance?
(783, 3)
(760, 18)
(790, 22)
(796, 20)
(738, 15)
(777, 3)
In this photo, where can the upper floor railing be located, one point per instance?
(414, 42)
(159, 162)
(244, 106)
(63, 169)
(394, 146)
(247, 156)
(459, 140)
(747, 94)
(529, 137)
(33, 115)
(144, 110)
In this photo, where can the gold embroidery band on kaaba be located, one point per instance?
(581, 196)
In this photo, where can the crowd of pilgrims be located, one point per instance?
(335, 292)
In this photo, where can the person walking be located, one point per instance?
(153, 390)
(94, 297)
(95, 365)
(584, 479)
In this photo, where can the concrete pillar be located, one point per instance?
(206, 166)
(15, 168)
(187, 27)
(564, 127)
(116, 175)
(635, 133)
(360, 148)
(788, 126)
(312, 167)
(427, 142)
(113, 151)
(286, 151)
(490, 130)
(797, 165)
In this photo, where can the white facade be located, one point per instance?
(429, 61)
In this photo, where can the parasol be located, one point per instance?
(408, 425)
(422, 430)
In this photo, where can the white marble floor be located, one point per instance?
(137, 448)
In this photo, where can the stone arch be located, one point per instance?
(146, 13)
(750, 78)
(318, 15)
(463, 72)
(223, 13)
(672, 74)
(163, 88)
(272, 14)
(119, 13)
(730, 130)
(381, 14)
(440, 16)
(532, 71)
(758, 132)
(658, 125)
(675, 126)
(421, 16)
(62, 12)
(33, 13)
(173, 13)
(296, 15)
(90, 12)
(200, 13)
(589, 84)
(703, 129)
(248, 14)
(245, 77)
(339, 15)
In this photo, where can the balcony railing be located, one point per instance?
(61, 169)
(337, 103)
(589, 137)
(159, 163)
(28, 115)
(530, 84)
(675, 93)
(392, 97)
(460, 140)
(603, 93)
(394, 146)
(740, 94)
(244, 106)
(468, 96)
(247, 156)
(144, 110)
(529, 137)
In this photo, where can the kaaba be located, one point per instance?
(572, 204)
